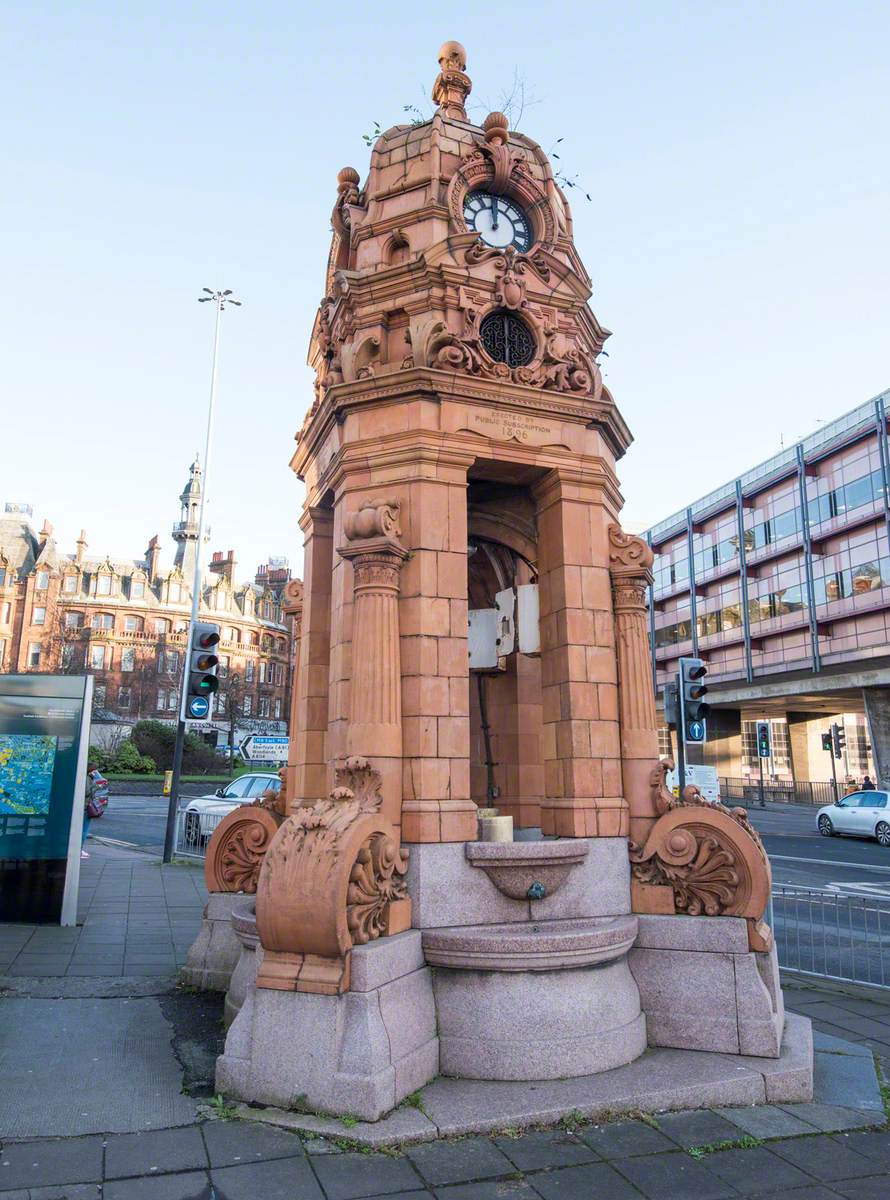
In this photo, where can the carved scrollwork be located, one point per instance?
(377, 878)
(629, 554)
(326, 884)
(709, 855)
(238, 846)
(374, 518)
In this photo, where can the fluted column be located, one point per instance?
(630, 562)
(375, 712)
(292, 606)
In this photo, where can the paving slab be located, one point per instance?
(155, 1152)
(823, 1158)
(625, 1139)
(765, 1121)
(583, 1182)
(283, 1179)
(232, 1143)
(674, 1176)
(37, 1164)
(355, 1176)
(703, 1128)
(541, 1149)
(755, 1171)
(194, 1185)
(111, 1064)
(444, 1162)
(500, 1189)
(847, 1080)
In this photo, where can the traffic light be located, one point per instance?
(826, 741)
(764, 749)
(693, 708)
(838, 740)
(203, 663)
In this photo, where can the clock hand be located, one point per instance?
(494, 212)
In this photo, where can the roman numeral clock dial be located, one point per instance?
(500, 222)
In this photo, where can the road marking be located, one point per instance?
(107, 841)
(826, 862)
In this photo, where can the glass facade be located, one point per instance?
(761, 585)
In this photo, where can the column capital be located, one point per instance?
(630, 558)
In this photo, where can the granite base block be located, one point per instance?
(216, 950)
(702, 989)
(358, 1054)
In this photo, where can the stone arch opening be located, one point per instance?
(506, 702)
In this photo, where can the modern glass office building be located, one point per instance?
(784, 575)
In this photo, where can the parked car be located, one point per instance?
(204, 813)
(866, 814)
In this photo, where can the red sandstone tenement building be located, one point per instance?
(126, 620)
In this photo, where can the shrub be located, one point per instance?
(157, 741)
(129, 760)
(99, 757)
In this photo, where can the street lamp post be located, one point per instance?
(220, 299)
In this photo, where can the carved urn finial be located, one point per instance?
(496, 128)
(452, 85)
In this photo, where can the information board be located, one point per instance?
(44, 738)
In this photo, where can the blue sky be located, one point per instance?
(736, 156)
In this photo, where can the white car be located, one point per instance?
(204, 813)
(864, 813)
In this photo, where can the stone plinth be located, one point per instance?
(702, 989)
(359, 1053)
(244, 974)
(215, 951)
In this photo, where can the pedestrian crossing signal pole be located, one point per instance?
(196, 630)
(764, 750)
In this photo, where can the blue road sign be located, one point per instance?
(695, 731)
(198, 707)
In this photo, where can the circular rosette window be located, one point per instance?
(507, 339)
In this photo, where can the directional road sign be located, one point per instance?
(197, 707)
(257, 748)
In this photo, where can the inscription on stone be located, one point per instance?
(508, 426)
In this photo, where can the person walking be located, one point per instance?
(867, 785)
(94, 801)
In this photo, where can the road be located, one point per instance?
(136, 821)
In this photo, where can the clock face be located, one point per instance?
(498, 221)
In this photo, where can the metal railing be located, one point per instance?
(831, 935)
(193, 832)
(747, 791)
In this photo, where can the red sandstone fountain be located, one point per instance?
(472, 635)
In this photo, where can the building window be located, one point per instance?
(34, 655)
(162, 627)
(264, 706)
(262, 671)
(223, 666)
(2, 654)
(230, 634)
(279, 673)
(128, 659)
(97, 658)
(133, 624)
(103, 585)
(162, 699)
(277, 710)
(665, 746)
(42, 582)
(2, 576)
(181, 627)
(73, 620)
(123, 697)
(6, 612)
(102, 621)
(67, 658)
(249, 671)
(247, 706)
(137, 589)
(174, 593)
(507, 339)
(168, 662)
(99, 695)
(39, 616)
(70, 584)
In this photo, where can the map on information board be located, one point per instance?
(26, 773)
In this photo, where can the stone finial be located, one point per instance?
(452, 85)
(496, 126)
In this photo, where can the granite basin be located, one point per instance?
(527, 870)
(531, 946)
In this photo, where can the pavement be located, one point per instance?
(107, 1091)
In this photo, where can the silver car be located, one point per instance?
(204, 813)
(866, 814)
